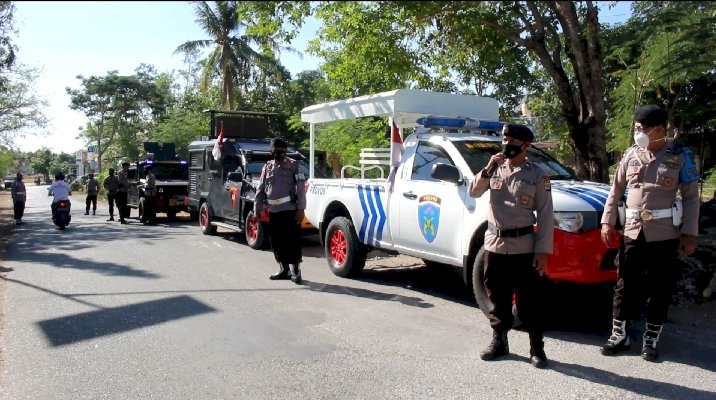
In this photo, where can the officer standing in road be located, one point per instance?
(656, 226)
(92, 191)
(515, 253)
(122, 187)
(110, 185)
(282, 190)
(18, 195)
(150, 188)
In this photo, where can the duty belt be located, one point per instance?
(647, 215)
(516, 232)
(276, 202)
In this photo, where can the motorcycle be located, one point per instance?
(61, 213)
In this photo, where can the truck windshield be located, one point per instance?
(170, 171)
(477, 153)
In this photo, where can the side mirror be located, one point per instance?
(445, 172)
(235, 176)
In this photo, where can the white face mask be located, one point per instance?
(641, 139)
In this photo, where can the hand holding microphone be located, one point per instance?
(495, 161)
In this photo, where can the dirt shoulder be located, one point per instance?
(7, 224)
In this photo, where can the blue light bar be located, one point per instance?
(459, 123)
(182, 162)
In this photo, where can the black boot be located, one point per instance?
(296, 273)
(618, 341)
(651, 338)
(537, 356)
(498, 346)
(281, 274)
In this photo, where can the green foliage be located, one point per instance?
(710, 176)
(21, 109)
(7, 160)
(181, 127)
(342, 140)
(42, 161)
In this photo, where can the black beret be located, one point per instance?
(518, 131)
(279, 142)
(125, 163)
(651, 115)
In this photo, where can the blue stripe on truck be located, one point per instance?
(373, 214)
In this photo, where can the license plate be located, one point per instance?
(172, 202)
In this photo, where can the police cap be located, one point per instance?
(651, 115)
(148, 167)
(518, 131)
(279, 142)
(124, 163)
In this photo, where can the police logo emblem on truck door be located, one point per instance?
(429, 216)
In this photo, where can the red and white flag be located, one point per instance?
(216, 152)
(396, 152)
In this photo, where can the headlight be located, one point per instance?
(161, 190)
(570, 222)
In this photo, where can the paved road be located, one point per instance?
(110, 311)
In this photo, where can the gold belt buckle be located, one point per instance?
(645, 215)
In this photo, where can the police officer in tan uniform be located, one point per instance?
(515, 254)
(122, 187)
(150, 197)
(282, 190)
(656, 226)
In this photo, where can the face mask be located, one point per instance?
(511, 150)
(279, 155)
(641, 139)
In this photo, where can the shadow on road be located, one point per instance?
(107, 321)
(646, 387)
(365, 293)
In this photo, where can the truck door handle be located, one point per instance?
(410, 195)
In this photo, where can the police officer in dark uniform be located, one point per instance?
(122, 188)
(515, 254)
(656, 226)
(282, 190)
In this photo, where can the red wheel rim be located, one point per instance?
(252, 228)
(204, 218)
(338, 247)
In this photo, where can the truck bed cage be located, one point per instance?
(402, 106)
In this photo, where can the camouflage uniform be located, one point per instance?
(282, 190)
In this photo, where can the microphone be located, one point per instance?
(491, 169)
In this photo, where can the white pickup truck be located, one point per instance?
(428, 213)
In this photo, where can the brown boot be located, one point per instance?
(498, 347)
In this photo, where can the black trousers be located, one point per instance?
(506, 274)
(18, 209)
(150, 209)
(285, 236)
(110, 200)
(647, 272)
(122, 205)
(91, 199)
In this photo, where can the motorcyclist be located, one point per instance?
(60, 190)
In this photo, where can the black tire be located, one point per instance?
(345, 253)
(194, 215)
(205, 218)
(140, 210)
(254, 231)
(480, 291)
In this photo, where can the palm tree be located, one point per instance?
(232, 58)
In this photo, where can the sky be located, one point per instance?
(65, 39)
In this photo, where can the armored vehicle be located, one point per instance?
(171, 178)
(222, 190)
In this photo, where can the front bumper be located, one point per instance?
(581, 258)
